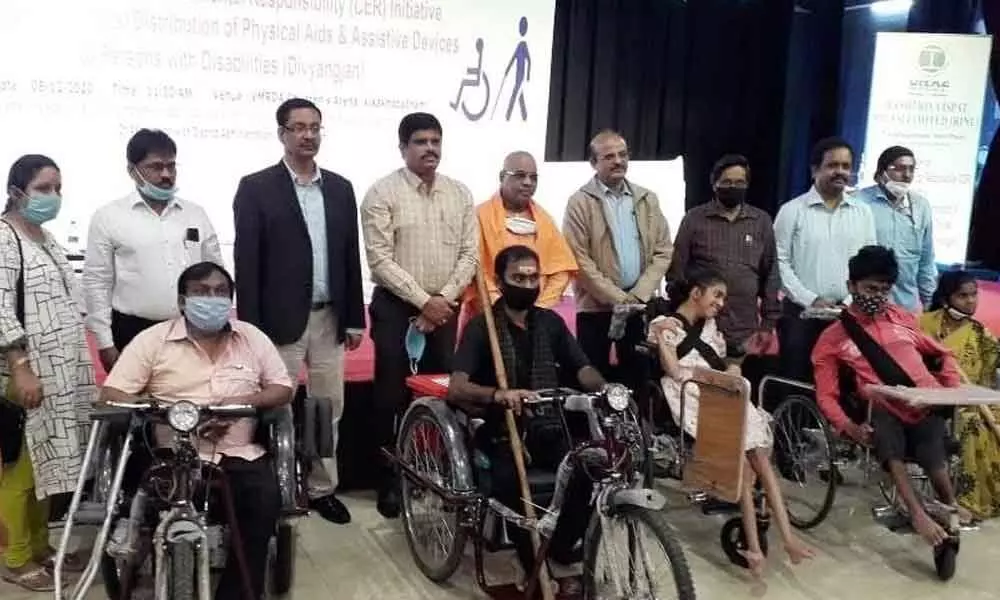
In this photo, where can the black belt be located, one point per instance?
(318, 305)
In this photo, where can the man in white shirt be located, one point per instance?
(816, 234)
(137, 247)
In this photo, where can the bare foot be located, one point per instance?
(755, 562)
(929, 529)
(965, 517)
(798, 551)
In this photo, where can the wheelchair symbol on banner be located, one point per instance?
(475, 77)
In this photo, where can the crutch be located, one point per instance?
(512, 432)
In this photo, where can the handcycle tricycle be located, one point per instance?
(443, 507)
(167, 529)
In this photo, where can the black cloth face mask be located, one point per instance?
(731, 197)
(517, 297)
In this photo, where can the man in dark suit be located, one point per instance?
(298, 272)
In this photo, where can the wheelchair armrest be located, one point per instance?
(267, 417)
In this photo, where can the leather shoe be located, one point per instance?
(331, 509)
(388, 502)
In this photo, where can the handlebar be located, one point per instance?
(821, 314)
(628, 308)
(153, 408)
(556, 395)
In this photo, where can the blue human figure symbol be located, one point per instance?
(522, 60)
(474, 77)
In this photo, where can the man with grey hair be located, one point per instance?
(621, 241)
(512, 217)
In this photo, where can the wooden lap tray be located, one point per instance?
(964, 395)
(435, 386)
(717, 465)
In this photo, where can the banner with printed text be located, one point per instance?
(212, 72)
(927, 94)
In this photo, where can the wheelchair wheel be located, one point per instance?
(946, 558)
(733, 538)
(434, 531)
(281, 563)
(804, 458)
(624, 567)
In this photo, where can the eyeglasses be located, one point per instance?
(300, 128)
(158, 167)
(739, 185)
(911, 169)
(522, 175)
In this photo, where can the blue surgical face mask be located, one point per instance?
(415, 342)
(154, 193)
(41, 208)
(207, 313)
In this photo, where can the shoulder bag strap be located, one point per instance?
(887, 369)
(19, 286)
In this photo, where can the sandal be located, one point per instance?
(570, 588)
(35, 579)
(71, 563)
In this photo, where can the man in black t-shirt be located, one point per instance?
(536, 347)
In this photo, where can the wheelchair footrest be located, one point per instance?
(90, 513)
(714, 506)
(892, 519)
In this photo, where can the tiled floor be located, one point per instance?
(857, 560)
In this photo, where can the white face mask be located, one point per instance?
(521, 226)
(958, 315)
(898, 189)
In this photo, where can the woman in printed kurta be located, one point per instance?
(46, 368)
(951, 322)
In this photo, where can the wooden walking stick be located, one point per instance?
(515, 439)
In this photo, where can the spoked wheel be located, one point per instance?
(920, 482)
(733, 538)
(433, 529)
(632, 554)
(281, 562)
(804, 459)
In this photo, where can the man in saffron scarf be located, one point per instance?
(512, 218)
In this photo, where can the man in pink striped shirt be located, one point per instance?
(205, 357)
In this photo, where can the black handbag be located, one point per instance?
(12, 416)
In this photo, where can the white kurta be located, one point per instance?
(758, 422)
(55, 432)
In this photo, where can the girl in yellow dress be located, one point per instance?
(951, 322)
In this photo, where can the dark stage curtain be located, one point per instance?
(983, 244)
(943, 16)
(696, 78)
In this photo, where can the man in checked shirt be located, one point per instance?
(738, 240)
(422, 245)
